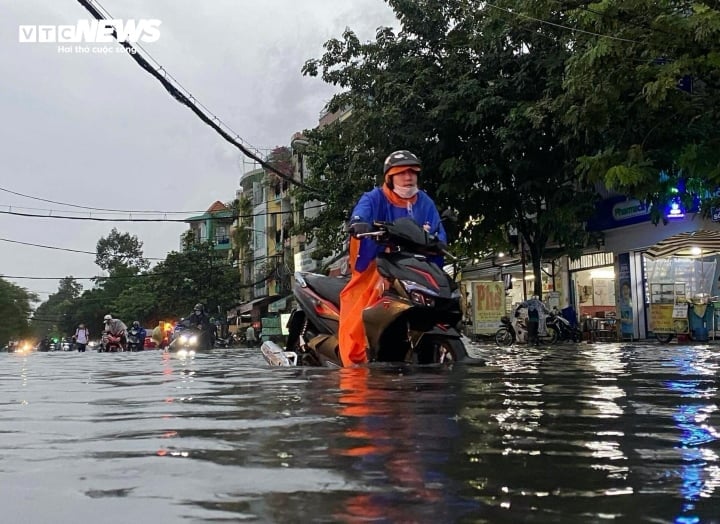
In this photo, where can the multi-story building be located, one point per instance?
(213, 226)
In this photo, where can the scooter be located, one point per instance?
(111, 344)
(135, 340)
(187, 342)
(562, 325)
(413, 321)
(513, 330)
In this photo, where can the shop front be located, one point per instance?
(681, 280)
(666, 278)
(494, 286)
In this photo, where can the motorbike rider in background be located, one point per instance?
(140, 332)
(398, 197)
(116, 328)
(200, 320)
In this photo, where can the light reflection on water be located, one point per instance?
(576, 433)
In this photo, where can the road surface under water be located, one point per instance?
(573, 433)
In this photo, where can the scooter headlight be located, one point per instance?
(184, 339)
(193, 340)
(420, 295)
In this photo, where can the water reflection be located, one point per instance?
(399, 431)
(574, 433)
(699, 468)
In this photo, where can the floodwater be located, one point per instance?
(574, 433)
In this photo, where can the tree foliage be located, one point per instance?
(120, 251)
(474, 94)
(15, 309)
(644, 98)
(57, 315)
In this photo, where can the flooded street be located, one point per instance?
(575, 433)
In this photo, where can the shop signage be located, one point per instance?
(663, 319)
(629, 209)
(680, 311)
(489, 306)
(715, 213)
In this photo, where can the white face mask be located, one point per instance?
(405, 192)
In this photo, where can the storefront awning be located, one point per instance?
(278, 305)
(691, 244)
(248, 306)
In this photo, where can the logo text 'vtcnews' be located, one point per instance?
(92, 31)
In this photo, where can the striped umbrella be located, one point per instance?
(693, 243)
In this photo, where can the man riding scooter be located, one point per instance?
(117, 331)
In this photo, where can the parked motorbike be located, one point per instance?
(229, 341)
(413, 321)
(514, 330)
(565, 332)
(135, 339)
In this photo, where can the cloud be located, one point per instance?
(97, 130)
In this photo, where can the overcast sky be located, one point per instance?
(96, 130)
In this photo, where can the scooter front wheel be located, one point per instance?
(442, 350)
(664, 337)
(503, 337)
(577, 335)
(552, 335)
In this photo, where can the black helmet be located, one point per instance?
(400, 158)
(199, 307)
(136, 324)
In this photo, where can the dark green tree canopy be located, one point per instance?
(15, 311)
(473, 91)
(644, 98)
(120, 250)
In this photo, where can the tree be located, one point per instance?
(15, 310)
(57, 316)
(644, 98)
(195, 275)
(120, 250)
(472, 91)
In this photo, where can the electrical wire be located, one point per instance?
(188, 100)
(61, 248)
(174, 220)
(124, 211)
(139, 275)
(617, 18)
(568, 28)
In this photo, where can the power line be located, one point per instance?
(95, 253)
(617, 18)
(61, 248)
(175, 220)
(179, 93)
(140, 275)
(568, 28)
(124, 211)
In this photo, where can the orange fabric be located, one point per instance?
(378, 429)
(359, 293)
(396, 199)
(399, 169)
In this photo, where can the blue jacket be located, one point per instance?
(374, 206)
